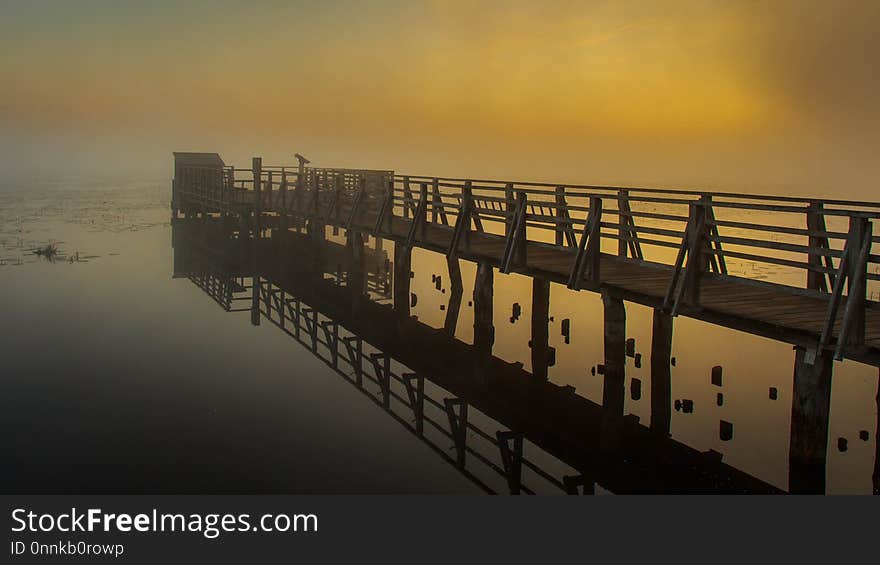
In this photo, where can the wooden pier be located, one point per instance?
(564, 234)
(701, 255)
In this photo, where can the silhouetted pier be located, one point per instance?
(679, 252)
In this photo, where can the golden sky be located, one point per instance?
(773, 96)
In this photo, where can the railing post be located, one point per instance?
(458, 425)
(560, 208)
(622, 227)
(816, 226)
(423, 211)
(438, 211)
(420, 217)
(360, 194)
(435, 201)
(407, 198)
(282, 196)
(316, 192)
(462, 221)
(697, 257)
(515, 253)
(628, 237)
(416, 395)
(267, 192)
(509, 208)
(386, 212)
(338, 186)
(257, 168)
(467, 202)
(589, 252)
(511, 446)
(712, 244)
(853, 326)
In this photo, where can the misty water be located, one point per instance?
(118, 377)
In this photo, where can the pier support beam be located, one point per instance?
(540, 342)
(402, 267)
(615, 372)
(357, 269)
(661, 373)
(456, 291)
(484, 330)
(877, 443)
(811, 403)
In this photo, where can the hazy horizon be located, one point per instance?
(764, 97)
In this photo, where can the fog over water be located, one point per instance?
(762, 97)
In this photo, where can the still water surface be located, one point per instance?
(117, 377)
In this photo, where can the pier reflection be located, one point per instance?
(509, 380)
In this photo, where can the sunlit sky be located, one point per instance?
(774, 96)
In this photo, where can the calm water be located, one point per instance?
(118, 377)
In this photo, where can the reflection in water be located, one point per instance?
(526, 382)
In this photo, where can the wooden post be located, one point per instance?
(458, 426)
(255, 299)
(511, 446)
(877, 443)
(402, 267)
(589, 251)
(622, 225)
(560, 214)
(816, 225)
(856, 282)
(257, 167)
(439, 205)
(300, 190)
(301, 169)
(615, 372)
(484, 330)
(334, 214)
(811, 402)
(540, 342)
(509, 208)
(282, 196)
(467, 204)
(456, 292)
(267, 191)
(357, 271)
(423, 216)
(697, 258)
(661, 373)
(515, 252)
(416, 396)
(316, 195)
(407, 197)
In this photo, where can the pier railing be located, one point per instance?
(818, 247)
